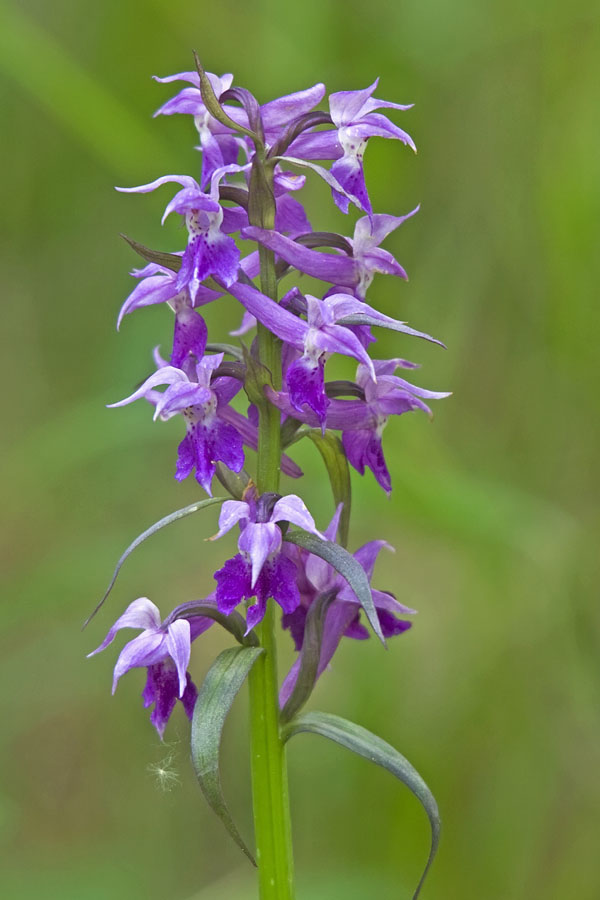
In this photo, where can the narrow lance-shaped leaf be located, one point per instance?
(162, 523)
(167, 260)
(220, 688)
(347, 566)
(311, 655)
(364, 743)
(331, 449)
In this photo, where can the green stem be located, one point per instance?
(272, 824)
(269, 774)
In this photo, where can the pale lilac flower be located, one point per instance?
(353, 113)
(317, 578)
(259, 569)
(163, 648)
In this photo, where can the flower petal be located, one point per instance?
(144, 650)
(371, 231)
(185, 181)
(278, 320)
(154, 289)
(165, 375)
(259, 540)
(178, 643)
(232, 511)
(292, 508)
(142, 613)
(331, 267)
(346, 106)
(233, 583)
(278, 113)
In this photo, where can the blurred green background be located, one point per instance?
(494, 695)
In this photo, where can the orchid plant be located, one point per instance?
(266, 394)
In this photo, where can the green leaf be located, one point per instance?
(336, 463)
(168, 260)
(364, 743)
(212, 104)
(220, 688)
(162, 523)
(234, 482)
(348, 567)
(311, 654)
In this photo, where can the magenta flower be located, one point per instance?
(163, 648)
(260, 569)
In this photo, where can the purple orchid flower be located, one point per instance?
(260, 569)
(219, 146)
(353, 114)
(209, 251)
(362, 422)
(316, 578)
(202, 403)
(356, 271)
(159, 285)
(388, 395)
(316, 338)
(163, 648)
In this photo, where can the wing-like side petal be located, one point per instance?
(165, 375)
(278, 113)
(142, 613)
(292, 508)
(232, 512)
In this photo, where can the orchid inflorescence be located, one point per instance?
(255, 161)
